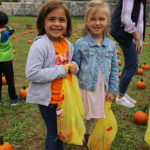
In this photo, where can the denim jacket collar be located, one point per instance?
(92, 42)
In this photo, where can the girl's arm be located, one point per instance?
(113, 78)
(77, 55)
(36, 71)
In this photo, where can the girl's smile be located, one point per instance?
(55, 24)
(97, 23)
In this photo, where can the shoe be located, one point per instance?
(14, 102)
(124, 102)
(130, 99)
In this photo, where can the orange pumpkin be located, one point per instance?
(120, 74)
(31, 31)
(141, 84)
(75, 29)
(74, 34)
(4, 80)
(118, 52)
(25, 33)
(115, 42)
(77, 37)
(119, 62)
(145, 66)
(140, 117)
(29, 41)
(23, 92)
(14, 51)
(148, 34)
(14, 36)
(145, 43)
(5, 145)
(140, 71)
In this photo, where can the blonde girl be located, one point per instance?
(95, 55)
(45, 65)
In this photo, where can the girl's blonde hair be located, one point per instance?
(48, 7)
(94, 5)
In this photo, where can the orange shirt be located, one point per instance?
(62, 57)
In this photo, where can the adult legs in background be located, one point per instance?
(48, 113)
(129, 70)
(130, 67)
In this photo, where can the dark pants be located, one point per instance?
(7, 69)
(130, 67)
(52, 142)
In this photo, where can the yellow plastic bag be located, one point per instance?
(147, 135)
(104, 132)
(70, 113)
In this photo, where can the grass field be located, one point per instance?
(22, 125)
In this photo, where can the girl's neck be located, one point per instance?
(98, 38)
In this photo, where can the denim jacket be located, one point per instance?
(90, 57)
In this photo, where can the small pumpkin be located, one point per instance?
(141, 84)
(74, 34)
(119, 62)
(120, 74)
(145, 66)
(140, 117)
(140, 71)
(5, 145)
(118, 52)
(14, 51)
(23, 92)
(115, 42)
(14, 36)
(4, 80)
(77, 37)
(75, 29)
(145, 43)
(29, 41)
(24, 33)
(148, 33)
(31, 31)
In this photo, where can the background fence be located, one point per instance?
(31, 7)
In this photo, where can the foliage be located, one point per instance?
(22, 125)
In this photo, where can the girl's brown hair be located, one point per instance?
(48, 7)
(92, 7)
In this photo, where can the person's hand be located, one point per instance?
(72, 68)
(109, 97)
(2, 29)
(137, 41)
(66, 70)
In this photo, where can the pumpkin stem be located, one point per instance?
(145, 109)
(141, 79)
(1, 140)
(24, 87)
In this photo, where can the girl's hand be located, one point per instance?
(109, 97)
(66, 71)
(72, 68)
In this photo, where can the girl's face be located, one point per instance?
(97, 22)
(55, 24)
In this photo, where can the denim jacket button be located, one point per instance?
(94, 78)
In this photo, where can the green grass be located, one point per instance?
(22, 125)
